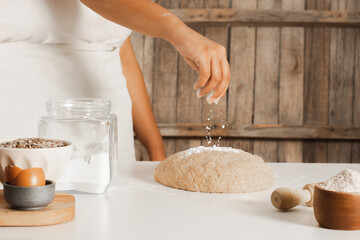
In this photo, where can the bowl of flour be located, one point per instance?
(337, 201)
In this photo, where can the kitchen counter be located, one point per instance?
(136, 207)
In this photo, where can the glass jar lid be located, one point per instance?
(87, 106)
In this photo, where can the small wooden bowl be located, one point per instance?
(337, 210)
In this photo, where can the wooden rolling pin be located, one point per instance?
(286, 198)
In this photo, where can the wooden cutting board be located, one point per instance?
(61, 210)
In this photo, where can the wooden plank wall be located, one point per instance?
(292, 76)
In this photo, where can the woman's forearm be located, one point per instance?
(145, 126)
(205, 56)
(143, 16)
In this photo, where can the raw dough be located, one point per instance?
(215, 170)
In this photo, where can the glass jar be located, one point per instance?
(90, 126)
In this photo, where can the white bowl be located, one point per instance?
(53, 161)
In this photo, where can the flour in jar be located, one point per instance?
(347, 180)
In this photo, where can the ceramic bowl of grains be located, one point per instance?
(337, 201)
(49, 154)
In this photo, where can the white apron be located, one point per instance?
(59, 49)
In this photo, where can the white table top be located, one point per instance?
(136, 207)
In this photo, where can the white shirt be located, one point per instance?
(59, 49)
(57, 21)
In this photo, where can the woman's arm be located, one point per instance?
(204, 55)
(145, 126)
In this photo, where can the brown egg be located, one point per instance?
(31, 177)
(11, 172)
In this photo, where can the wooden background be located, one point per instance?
(295, 88)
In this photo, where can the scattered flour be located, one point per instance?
(213, 148)
(345, 181)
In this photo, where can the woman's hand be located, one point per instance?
(209, 60)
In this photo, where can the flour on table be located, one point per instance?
(347, 180)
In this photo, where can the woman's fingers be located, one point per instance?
(204, 72)
(220, 90)
(214, 80)
(217, 100)
(223, 85)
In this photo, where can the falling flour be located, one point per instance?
(345, 181)
(215, 124)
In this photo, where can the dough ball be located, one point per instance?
(215, 170)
